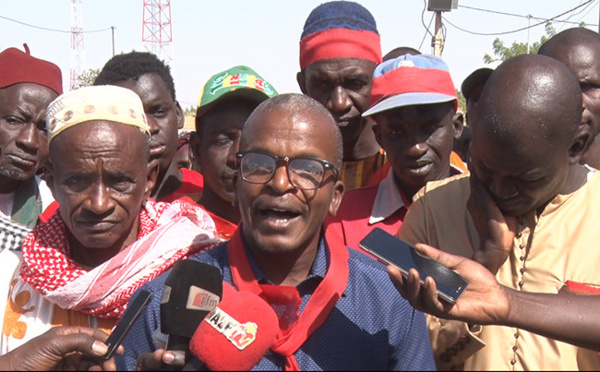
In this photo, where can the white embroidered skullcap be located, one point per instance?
(102, 102)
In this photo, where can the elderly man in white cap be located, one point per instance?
(72, 269)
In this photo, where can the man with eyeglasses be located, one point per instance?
(337, 308)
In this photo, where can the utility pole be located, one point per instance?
(439, 6)
(77, 47)
(438, 40)
(112, 30)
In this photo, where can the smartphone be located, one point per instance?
(390, 250)
(132, 313)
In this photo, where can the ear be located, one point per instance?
(195, 143)
(338, 194)
(582, 141)
(180, 116)
(151, 176)
(458, 122)
(300, 78)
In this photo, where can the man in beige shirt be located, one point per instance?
(528, 212)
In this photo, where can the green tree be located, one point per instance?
(503, 52)
(87, 78)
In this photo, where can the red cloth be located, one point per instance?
(340, 43)
(582, 289)
(21, 67)
(167, 232)
(322, 301)
(193, 183)
(352, 219)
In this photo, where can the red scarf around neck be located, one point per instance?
(167, 233)
(322, 301)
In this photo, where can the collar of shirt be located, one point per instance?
(388, 200)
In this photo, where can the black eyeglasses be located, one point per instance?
(303, 173)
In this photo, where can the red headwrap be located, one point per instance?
(340, 43)
(20, 67)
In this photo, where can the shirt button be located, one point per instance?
(513, 362)
(522, 270)
(521, 258)
(521, 246)
(516, 335)
(519, 235)
(515, 348)
(521, 283)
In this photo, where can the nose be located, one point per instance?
(339, 100)
(416, 145)
(29, 137)
(99, 201)
(280, 182)
(502, 188)
(231, 160)
(153, 124)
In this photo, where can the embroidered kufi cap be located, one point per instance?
(102, 102)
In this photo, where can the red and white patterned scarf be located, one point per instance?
(168, 232)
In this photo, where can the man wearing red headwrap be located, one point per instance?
(339, 50)
(27, 86)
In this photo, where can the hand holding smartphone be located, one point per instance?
(132, 313)
(390, 250)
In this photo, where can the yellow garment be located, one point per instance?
(558, 246)
(357, 173)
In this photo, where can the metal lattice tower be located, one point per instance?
(77, 46)
(157, 33)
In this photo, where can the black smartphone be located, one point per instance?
(390, 250)
(132, 313)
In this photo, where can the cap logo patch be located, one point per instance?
(231, 82)
(406, 63)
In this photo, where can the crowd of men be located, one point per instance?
(101, 194)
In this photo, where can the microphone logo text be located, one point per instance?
(201, 299)
(239, 334)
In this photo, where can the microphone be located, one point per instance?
(191, 291)
(236, 334)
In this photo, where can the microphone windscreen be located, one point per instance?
(191, 291)
(237, 334)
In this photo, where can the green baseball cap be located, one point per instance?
(239, 81)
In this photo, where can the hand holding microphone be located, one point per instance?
(190, 293)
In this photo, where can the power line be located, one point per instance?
(51, 29)
(544, 21)
(426, 28)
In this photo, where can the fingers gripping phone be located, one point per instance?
(390, 250)
(132, 313)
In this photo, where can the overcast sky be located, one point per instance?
(211, 36)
